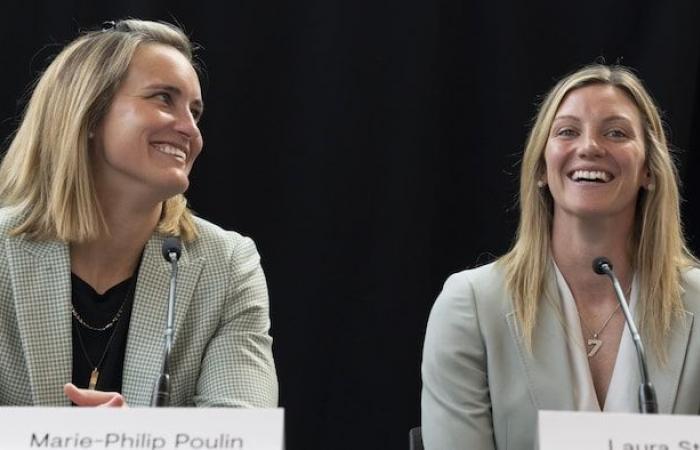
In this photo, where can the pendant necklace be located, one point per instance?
(95, 373)
(594, 341)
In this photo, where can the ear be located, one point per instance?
(647, 180)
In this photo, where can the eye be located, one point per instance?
(616, 133)
(196, 113)
(163, 96)
(566, 132)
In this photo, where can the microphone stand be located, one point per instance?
(647, 393)
(161, 389)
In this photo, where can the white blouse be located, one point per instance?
(622, 393)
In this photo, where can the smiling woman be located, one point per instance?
(538, 329)
(145, 145)
(90, 188)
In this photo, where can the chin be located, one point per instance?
(173, 189)
(596, 213)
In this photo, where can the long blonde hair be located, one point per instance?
(661, 250)
(46, 170)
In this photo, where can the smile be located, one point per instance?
(596, 176)
(169, 149)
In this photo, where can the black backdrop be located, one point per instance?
(371, 149)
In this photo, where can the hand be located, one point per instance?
(86, 397)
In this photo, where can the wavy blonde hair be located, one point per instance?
(46, 170)
(661, 250)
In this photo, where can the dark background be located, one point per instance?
(371, 149)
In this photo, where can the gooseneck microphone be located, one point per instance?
(647, 394)
(161, 390)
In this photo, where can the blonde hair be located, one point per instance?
(661, 250)
(46, 170)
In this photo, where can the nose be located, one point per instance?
(590, 146)
(186, 125)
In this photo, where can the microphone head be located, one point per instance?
(172, 245)
(599, 265)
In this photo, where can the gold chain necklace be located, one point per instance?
(595, 342)
(95, 373)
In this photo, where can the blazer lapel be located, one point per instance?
(41, 286)
(144, 350)
(547, 370)
(666, 377)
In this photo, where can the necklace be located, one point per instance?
(109, 324)
(594, 341)
(95, 373)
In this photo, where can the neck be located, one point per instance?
(577, 242)
(114, 256)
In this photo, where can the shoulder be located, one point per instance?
(215, 242)
(482, 284)
(480, 292)
(691, 277)
(9, 219)
(481, 276)
(691, 288)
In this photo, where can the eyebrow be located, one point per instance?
(176, 91)
(612, 118)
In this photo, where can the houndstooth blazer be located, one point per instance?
(221, 353)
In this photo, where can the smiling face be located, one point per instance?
(595, 157)
(149, 138)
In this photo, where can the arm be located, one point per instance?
(455, 401)
(237, 367)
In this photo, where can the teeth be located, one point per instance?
(591, 175)
(170, 150)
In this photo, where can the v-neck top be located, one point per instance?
(624, 382)
(97, 310)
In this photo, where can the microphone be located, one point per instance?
(161, 389)
(647, 394)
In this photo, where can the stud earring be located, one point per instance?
(651, 187)
(541, 184)
(91, 135)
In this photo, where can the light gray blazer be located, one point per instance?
(482, 389)
(221, 350)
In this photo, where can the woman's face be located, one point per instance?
(595, 156)
(149, 138)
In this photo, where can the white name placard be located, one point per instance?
(617, 431)
(141, 428)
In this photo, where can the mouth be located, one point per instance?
(172, 150)
(590, 176)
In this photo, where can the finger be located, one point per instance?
(85, 397)
(115, 402)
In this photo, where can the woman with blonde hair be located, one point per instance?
(538, 329)
(90, 188)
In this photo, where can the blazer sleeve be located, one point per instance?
(455, 400)
(237, 367)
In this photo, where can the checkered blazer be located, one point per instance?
(221, 354)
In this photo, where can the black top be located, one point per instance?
(97, 310)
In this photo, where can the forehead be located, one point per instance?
(159, 64)
(599, 101)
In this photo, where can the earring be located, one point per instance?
(91, 135)
(541, 184)
(651, 187)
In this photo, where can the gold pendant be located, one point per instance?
(94, 375)
(596, 343)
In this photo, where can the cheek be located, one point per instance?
(121, 126)
(551, 160)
